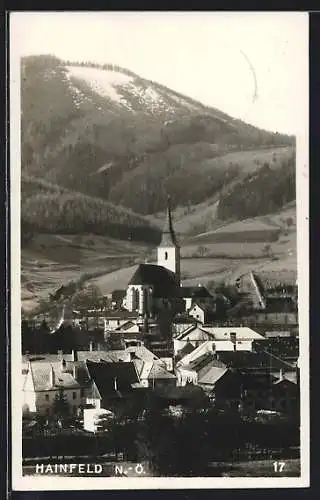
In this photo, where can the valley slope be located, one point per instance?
(103, 147)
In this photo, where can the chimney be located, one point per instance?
(52, 377)
(281, 374)
(90, 346)
(115, 384)
(74, 355)
(74, 372)
(60, 354)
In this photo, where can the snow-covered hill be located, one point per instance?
(128, 92)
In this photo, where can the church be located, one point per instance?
(157, 287)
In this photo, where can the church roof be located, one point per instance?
(162, 280)
(195, 292)
(168, 235)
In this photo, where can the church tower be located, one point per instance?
(169, 251)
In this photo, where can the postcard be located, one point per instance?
(159, 250)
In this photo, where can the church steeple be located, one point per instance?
(168, 234)
(168, 250)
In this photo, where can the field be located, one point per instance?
(50, 261)
(53, 260)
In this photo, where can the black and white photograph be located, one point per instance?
(159, 250)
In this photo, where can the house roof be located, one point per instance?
(203, 349)
(286, 381)
(158, 372)
(206, 307)
(224, 332)
(184, 318)
(41, 377)
(162, 280)
(141, 352)
(255, 360)
(126, 326)
(211, 374)
(113, 379)
(110, 356)
(186, 349)
(203, 362)
(195, 292)
(194, 333)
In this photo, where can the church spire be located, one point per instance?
(168, 234)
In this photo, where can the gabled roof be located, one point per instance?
(211, 374)
(113, 379)
(126, 326)
(142, 353)
(285, 381)
(186, 349)
(163, 281)
(203, 362)
(261, 360)
(241, 332)
(158, 372)
(206, 307)
(41, 377)
(195, 333)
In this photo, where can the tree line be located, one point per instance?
(53, 210)
(261, 192)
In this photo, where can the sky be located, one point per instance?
(253, 65)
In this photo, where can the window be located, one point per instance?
(165, 255)
(47, 397)
(74, 395)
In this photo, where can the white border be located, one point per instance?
(45, 483)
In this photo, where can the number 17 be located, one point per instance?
(278, 466)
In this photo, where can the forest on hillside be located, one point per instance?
(49, 208)
(262, 192)
(93, 152)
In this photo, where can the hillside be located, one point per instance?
(103, 147)
(50, 208)
(106, 132)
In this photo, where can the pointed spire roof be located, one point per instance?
(168, 235)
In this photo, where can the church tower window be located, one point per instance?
(169, 250)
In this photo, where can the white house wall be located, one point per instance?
(43, 405)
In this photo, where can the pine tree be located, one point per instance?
(60, 405)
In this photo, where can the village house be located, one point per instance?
(203, 313)
(190, 294)
(45, 377)
(225, 338)
(44, 381)
(112, 385)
